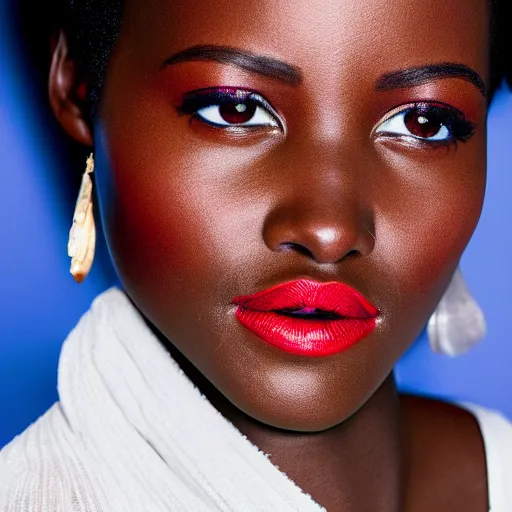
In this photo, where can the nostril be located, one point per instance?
(290, 246)
(301, 249)
(352, 254)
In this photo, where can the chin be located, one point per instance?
(298, 407)
(306, 424)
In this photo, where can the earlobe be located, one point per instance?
(67, 93)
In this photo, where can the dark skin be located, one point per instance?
(195, 215)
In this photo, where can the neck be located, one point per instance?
(353, 467)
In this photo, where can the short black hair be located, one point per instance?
(94, 25)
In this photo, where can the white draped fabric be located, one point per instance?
(131, 433)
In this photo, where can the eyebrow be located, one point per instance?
(261, 64)
(421, 75)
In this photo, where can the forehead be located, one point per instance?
(319, 36)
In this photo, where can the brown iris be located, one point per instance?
(422, 124)
(237, 113)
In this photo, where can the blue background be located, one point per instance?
(40, 303)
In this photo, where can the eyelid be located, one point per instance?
(460, 128)
(215, 96)
(416, 104)
(393, 112)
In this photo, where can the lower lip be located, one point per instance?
(306, 337)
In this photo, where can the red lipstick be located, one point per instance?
(307, 317)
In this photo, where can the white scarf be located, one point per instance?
(131, 433)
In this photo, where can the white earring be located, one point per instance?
(458, 323)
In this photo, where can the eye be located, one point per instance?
(224, 108)
(247, 113)
(433, 123)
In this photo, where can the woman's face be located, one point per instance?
(358, 158)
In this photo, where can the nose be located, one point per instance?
(325, 230)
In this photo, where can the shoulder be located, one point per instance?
(41, 470)
(447, 457)
(467, 447)
(496, 431)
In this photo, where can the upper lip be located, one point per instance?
(331, 297)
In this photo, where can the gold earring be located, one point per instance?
(82, 235)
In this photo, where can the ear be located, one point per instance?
(67, 90)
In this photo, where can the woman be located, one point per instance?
(264, 172)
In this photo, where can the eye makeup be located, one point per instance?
(428, 123)
(236, 108)
(431, 124)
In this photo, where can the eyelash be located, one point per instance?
(196, 101)
(459, 128)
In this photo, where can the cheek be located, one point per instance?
(176, 214)
(425, 226)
